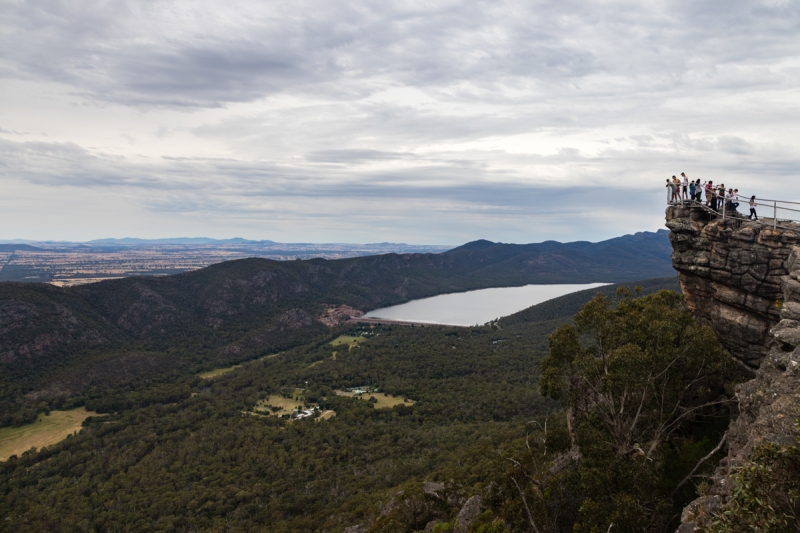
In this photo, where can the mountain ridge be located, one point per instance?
(237, 310)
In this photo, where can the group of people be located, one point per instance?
(684, 190)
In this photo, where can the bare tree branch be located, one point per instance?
(700, 463)
(525, 503)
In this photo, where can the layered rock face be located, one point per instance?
(731, 273)
(745, 280)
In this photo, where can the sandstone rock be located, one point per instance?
(790, 310)
(791, 289)
(756, 331)
(432, 489)
(732, 272)
(468, 514)
(788, 332)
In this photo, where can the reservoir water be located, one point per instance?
(476, 307)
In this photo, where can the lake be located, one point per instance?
(476, 307)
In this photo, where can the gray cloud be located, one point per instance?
(515, 116)
(210, 53)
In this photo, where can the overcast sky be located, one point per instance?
(419, 122)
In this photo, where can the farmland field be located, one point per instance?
(287, 405)
(382, 400)
(45, 431)
(350, 341)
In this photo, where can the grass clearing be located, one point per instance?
(45, 431)
(217, 372)
(287, 405)
(211, 374)
(349, 340)
(381, 400)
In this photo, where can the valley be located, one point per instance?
(232, 395)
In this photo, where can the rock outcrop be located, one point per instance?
(744, 279)
(731, 273)
(335, 315)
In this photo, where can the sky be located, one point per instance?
(368, 121)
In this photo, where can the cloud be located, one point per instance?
(214, 53)
(511, 111)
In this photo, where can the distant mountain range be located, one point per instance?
(639, 256)
(178, 240)
(255, 298)
(14, 247)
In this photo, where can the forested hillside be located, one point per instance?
(61, 343)
(181, 453)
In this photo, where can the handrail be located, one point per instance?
(778, 201)
(723, 213)
(741, 199)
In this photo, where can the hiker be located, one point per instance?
(671, 194)
(685, 187)
(698, 191)
(691, 191)
(735, 199)
(677, 184)
(753, 208)
(730, 203)
(710, 194)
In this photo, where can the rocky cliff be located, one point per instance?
(731, 274)
(744, 279)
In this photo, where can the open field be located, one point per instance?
(348, 340)
(383, 400)
(45, 431)
(217, 372)
(276, 400)
(326, 415)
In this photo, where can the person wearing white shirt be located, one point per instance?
(753, 208)
(685, 187)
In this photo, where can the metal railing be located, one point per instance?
(776, 206)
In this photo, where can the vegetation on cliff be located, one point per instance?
(766, 493)
(646, 396)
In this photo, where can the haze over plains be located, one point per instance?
(421, 122)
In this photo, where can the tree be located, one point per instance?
(636, 377)
(644, 369)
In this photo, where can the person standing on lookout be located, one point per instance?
(670, 191)
(677, 184)
(753, 208)
(698, 191)
(685, 187)
(710, 194)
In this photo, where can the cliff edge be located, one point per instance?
(744, 280)
(731, 275)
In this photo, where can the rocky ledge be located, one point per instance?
(744, 279)
(731, 275)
